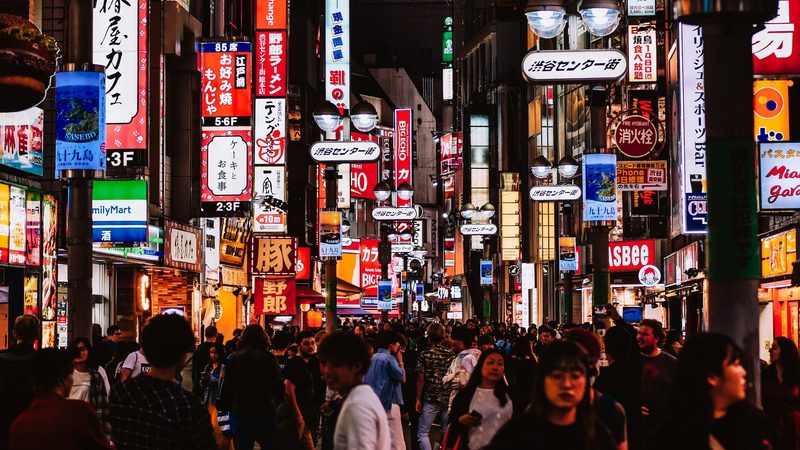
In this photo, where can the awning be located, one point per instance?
(358, 311)
(307, 295)
(346, 289)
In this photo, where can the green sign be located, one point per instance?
(447, 40)
(119, 211)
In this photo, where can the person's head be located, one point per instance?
(26, 329)
(461, 339)
(210, 333)
(591, 344)
(281, 340)
(672, 337)
(51, 370)
(220, 339)
(306, 343)
(358, 330)
(292, 351)
(521, 349)
(82, 350)
(470, 325)
(125, 348)
(344, 360)
(253, 337)
(386, 326)
(236, 333)
(650, 335)
(547, 335)
(435, 333)
(319, 336)
(784, 353)
(618, 345)
(97, 331)
(561, 384)
(486, 342)
(114, 333)
(217, 353)
(490, 372)
(166, 338)
(390, 340)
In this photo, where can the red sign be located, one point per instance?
(271, 14)
(271, 64)
(275, 296)
(636, 136)
(303, 263)
(225, 165)
(370, 267)
(628, 256)
(776, 48)
(402, 152)
(225, 72)
(363, 177)
(273, 255)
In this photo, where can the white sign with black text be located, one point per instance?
(481, 229)
(389, 213)
(555, 193)
(573, 66)
(345, 152)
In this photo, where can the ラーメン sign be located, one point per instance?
(573, 66)
(481, 229)
(779, 175)
(345, 152)
(555, 193)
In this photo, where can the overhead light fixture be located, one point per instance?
(601, 17)
(364, 117)
(487, 210)
(345, 226)
(568, 167)
(547, 18)
(468, 210)
(541, 167)
(405, 191)
(382, 191)
(434, 180)
(327, 116)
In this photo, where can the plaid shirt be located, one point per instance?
(98, 397)
(433, 364)
(152, 414)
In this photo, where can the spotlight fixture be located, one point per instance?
(364, 117)
(327, 116)
(541, 167)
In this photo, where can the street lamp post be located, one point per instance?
(486, 211)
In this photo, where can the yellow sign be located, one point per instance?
(771, 110)
(5, 197)
(778, 252)
(273, 255)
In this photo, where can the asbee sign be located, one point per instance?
(627, 256)
(345, 152)
(389, 213)
(482, 229)
(555, 193)
(561, 66)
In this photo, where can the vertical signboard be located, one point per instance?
(447, 40)
(599, 187)
(403, 171)
(567, 260)
(21, 140)
(17, 224)
(33, 229)
(370, 267)
(337, 53)
(776, 47)
(270, 131)
(771, 110)
(384, 295)
(5, 198)
(330, 236)
(693, 130)
(270, 58)
(225, 178)
(119, 211)
(642, 53)
(225, 84)
(487, 272)
(271, 15)
(80, 121)
(49, 256)
(530, 303)
(211, 249)
(269, 208)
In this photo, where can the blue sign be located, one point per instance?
(420, 292)
(487, 272)
(599, 187)
(384, 295)
(697, 213)
(224, 47)
(369, 302)
(80, 121)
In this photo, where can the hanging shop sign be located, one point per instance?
(447, 83)
(480, 229)
(641, 8)
(152, 251)
(17, 218)
(636, 135)
(629, 256)
(225, 77)
(574, 66)
(337, 53)
(370, 267)
(21, 140)
(211, 231)
(270, 63)
(394, 214)
(275, 296)
(642, 175)
(649, 276)
(558, 193)
(779, 176)
(269, 187)
(30, 296)
(600, 187)
(567, 260)
(337, 152)
(225, 175)
(119, 211)
(119, 41)
(303, 263)
(384, 295)
(510, 197)
(778, 253)
(233, 240)
(644, 203)
(49, 255)
(273, 255)
(692, 168)
(182, 249)
(771, 110)
(403, 171)
(270, 131)
(776, 48)
(271, 15)
(487, 272)
(330, 234)
(33, 229)
(363, 177)
(447, 40)
(81, 121)
(642, 51)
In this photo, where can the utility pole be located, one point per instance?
(331, 316)
(598, 231)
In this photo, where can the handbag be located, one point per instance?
(445, 440)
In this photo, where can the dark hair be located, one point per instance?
(436, 333)
(305, 334)
(73, 347)
(210, 332)
(281, 340)
(486, 339)
(521, 348)
(564, 355)
(789, 361)
(253, 337)
(387, 338)
(111, 330)
(237, 332)
(343, 348)
(618, 344)
(501, 390)
(165, 339)
(220, 349)
(464, 335)
(545, 329)
(656, 326)
(49, 367)
(26, 328)
(672, 337)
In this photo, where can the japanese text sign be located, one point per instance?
(636, 136)
(16, 226)
(225, 83)
(119, 211)
(402, 151)
(642, 53)
(370, 267)
(692, 111)
(275, 296)
(345, 151)
(641, 8)
(487, 272)
(33, 229)
(641, 175)
(182, 248)
(271, 14)
(776, 48)
(337, 52)
(627, 256)
(574, 66)
(478, 229)
(599, 187)
(21, 140)
(771, 110)
(447, 40)
(779, 175)
(303, 263)
(81, 121)
(225, 165)
(271, 54)
(273, 255)
(120, 45)
(394, 214)
(270, 131)
(778, 253)
(567, 259)
(555, 193)
(269, 208)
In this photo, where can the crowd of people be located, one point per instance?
(396, 386)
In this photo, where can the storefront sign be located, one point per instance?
(81, 121)
(211, 230)
(234, 239)
(778, 253)
(649, 276)
(33, 229)
(574, 66)
(771, 108)
(447, 83)
(447, 40)
(17, 216)
(275, 296)
(330, 235)
(564, 193)
(30, 295)
(600, 187)
(271, 15)
(487, 272)
(303, 263)
(370, 267)
(394, 214)
(182, 248)
(384, 295)
(636, 136)
(49, 255)
(270, 183)
(642, 175)
(225, 80)
(21, 140)
(629, 256)
(333, 152)
(119, 211)
(270, 58)
(153, 251)
(273, 255)
(642, 53)
(337, 53)
(641, 8)
(270, 131)
(5, 219)
(225, 175)
(363, 177)
(779, 175)
(403, 171)
(776, 48)
(644, 203)
(567, 260)
(481, 229)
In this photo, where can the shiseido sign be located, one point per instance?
(345, 152)
(779, 175)
(482, 229)
(555, 193)
(389, 213)
(572, 66)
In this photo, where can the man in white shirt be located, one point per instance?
(134, 365)
(362, 423)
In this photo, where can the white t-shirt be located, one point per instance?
(362, 423)
(137, 363)
(494, 417)
(81, 385)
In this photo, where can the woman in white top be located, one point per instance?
(483, 406)
(90, 383)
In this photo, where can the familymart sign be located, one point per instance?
(119, 211)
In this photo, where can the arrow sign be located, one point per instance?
(574, 66)
(555, 193)
(390, 213)
(345, 152)
(481, 229)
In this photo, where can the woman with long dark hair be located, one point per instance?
(483, 406)
(561, 415)
(708, 409)
(780, 389)
(520, 373)
(90, 382)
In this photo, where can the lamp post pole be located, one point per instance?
(598, 232)
(331, 317)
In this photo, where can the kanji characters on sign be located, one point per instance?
(275, 296)
(273, 255)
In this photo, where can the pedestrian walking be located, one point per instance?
(385, 375)
(362, 423)
(708, 407)
(483, 406)
(152, 411)
(100, 350)
(122, 350)
(211, 383)
(560, 416)
(301, 374)
(113, 336)
(462, 342)
(433, 395)
(780, 390)
(520, 373)
(658, 371)
(201, 357)
(89, 381)
(52, 421)
(16, 387)
(134, 365)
